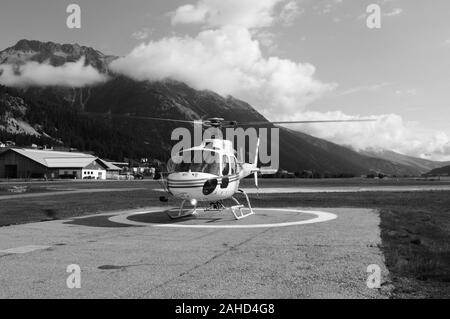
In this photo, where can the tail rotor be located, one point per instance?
(255, 164)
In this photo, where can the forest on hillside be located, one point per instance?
(67, 126)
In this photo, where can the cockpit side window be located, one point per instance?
(225, 165)
(233, 165)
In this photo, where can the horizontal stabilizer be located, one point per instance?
(267, 171)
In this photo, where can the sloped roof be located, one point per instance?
(54, 159)
(109, 166)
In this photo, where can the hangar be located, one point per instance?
(33, 163)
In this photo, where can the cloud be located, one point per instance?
(71, 74)
(389, 131)
(230, 62)
(393, 13)
(219, 13)
(290, 12)
(267, 40)
(407, 92)
(373, 87)
(141, 34)
(326, 6)
(190, 14)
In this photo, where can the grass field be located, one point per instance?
(415, 226)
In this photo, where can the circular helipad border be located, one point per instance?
(320, 218)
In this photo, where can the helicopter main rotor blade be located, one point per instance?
(219, 122)
(137, 117)
(303, 122)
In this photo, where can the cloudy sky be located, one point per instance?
(305, 59)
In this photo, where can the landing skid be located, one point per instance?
(237, 210)
(182, 213)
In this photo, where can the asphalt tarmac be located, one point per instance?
(276, 253)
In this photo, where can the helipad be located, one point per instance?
(263, 218)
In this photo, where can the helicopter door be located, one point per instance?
(225, 171)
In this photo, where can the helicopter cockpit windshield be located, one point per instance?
(198, 161)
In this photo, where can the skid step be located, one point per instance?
(237, 209)
(238, 212)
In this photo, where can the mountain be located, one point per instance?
(56, 54)
(422, 165)
(364, 163)
(64, 116)
(14, 109)
(441, 171)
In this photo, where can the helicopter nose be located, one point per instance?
(209, 186)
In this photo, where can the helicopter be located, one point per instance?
(216, 174)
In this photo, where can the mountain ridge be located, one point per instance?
(440, 171)
(424, 165)
(56, 54)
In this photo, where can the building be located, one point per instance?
(112, 171)
(121, 165)
(33, 163)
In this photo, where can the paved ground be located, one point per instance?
(60, 188)
(68, 192)
(141, 253)
(348, 189)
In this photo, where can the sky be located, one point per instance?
(291, 59)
